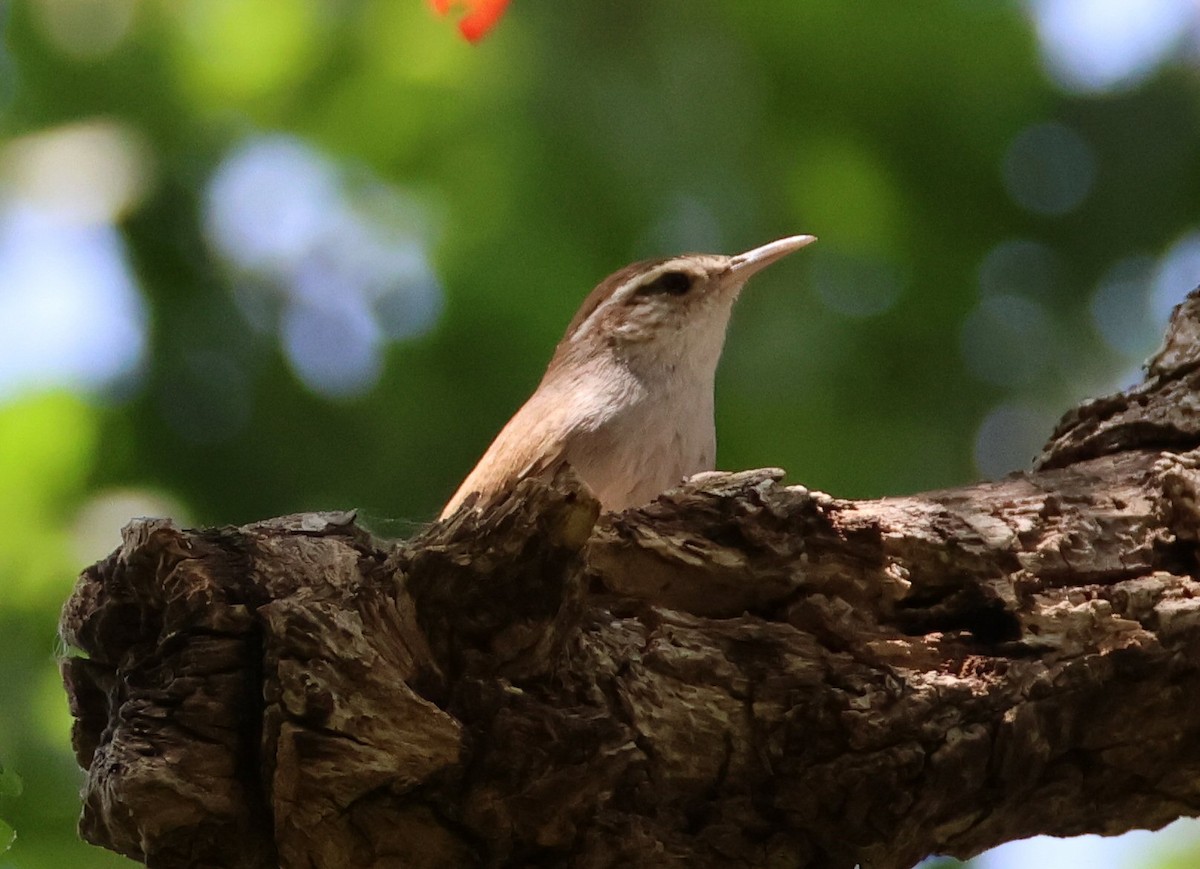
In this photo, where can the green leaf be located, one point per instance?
(7, 836)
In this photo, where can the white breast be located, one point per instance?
(648, 441)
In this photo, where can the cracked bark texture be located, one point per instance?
(742, 673)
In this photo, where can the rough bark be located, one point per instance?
(740, 674)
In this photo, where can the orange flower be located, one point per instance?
(481, 16)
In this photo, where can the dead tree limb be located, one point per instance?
(740, 674)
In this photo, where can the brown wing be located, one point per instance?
(513, 455)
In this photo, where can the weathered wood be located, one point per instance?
(742, 673)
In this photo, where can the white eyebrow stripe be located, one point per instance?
(623, 292)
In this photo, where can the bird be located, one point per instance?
(627, 399)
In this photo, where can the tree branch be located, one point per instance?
(740, 674)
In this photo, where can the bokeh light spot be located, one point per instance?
(1094, 46)
(1006, 340)
(96, 530)
(1172, 847)
(269, 202)
(336, 263)
(1009, 438)
(335, 350)
(242, 49)
(855, 285)
(46, 445)
(1177, 274)
(1049, 169)
(90, 172)
(1121, 311)
(689, 224)
(85, 29)
(47, 448)
(70, 313)
(1021, 267)
(843, 187)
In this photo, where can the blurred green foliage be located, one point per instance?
(10, 786)
(932, 335)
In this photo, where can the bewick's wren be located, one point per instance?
(627, 399)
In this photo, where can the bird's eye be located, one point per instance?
(673, 283)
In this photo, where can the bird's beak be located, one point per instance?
(745, 264)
